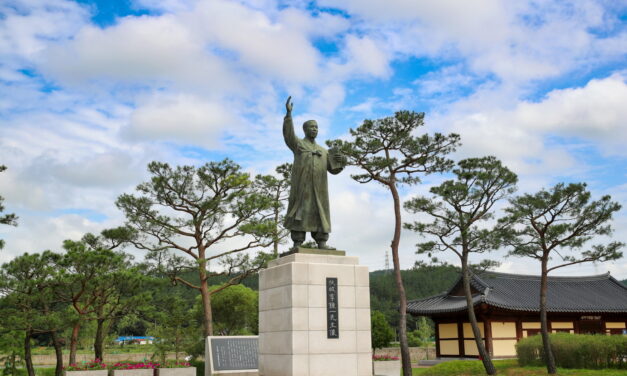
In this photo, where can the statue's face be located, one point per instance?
(311, 130)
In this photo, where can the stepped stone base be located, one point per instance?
(293, 317)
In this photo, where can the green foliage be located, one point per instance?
(278, 189)
(92, 365)
(560, 221)
(455, 368)
(576, 351)
(381, 332)
(423, 334)
(175, 329)
(27, 299)
(458, 206)
(11, 347)
(235, 310)
(181, 213)
(6, 219)
(420, 282)
(389, 153)
(174, 364)
(39, 371)
(93, 276)
(200, 367)
(26, 284)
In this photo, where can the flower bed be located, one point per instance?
(134, 368)
(169, 368)
(93, 368)
(97, 368)
(382, 358)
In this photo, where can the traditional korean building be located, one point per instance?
(507, 308)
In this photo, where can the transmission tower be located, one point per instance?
(387, 261)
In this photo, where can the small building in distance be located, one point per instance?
(507, 309)
(134, 340)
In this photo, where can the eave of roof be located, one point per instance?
(501, 294)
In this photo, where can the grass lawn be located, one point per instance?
(505, 367)
(39, 371)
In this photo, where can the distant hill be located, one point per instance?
(419, 283)
(624, 282)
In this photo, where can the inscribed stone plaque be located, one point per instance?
(233, 353)
(333, 330)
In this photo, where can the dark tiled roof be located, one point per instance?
(600, 293)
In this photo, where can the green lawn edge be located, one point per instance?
(508, 367)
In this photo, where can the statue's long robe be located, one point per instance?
(308, 207)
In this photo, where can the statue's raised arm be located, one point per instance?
(288, 126)
(288, 106)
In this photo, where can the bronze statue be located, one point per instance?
(308, 207)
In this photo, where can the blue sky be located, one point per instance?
(91, 91)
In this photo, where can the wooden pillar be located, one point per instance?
(460, 337)
(437, 339)
(519, 333)
(487, 330)
(549, 324)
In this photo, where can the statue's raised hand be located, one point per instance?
(289, 105)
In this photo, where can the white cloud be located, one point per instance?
(446, 80)
(328, 99)
(139, 49)
(365, 107)
(596, 111)
(321, 25)
(184, 118)
(257, 42)
(366, 57)
(537, 139)
(516, 41)
(28, 26)
(35, 234)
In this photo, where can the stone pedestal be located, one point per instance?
(293, 317)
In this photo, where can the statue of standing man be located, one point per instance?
(308, 207)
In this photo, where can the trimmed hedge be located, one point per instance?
(576, 351)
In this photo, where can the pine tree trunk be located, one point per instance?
(13, 360)
(483, 353)
(99, 340)
(58, 351)
(206, 298)
(544, 323)
(74, 342)
(402, 307)
(28, 356)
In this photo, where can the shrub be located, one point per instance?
(575, 351)
(381, 332)
(200, 367)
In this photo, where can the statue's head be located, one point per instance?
(310, 127)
